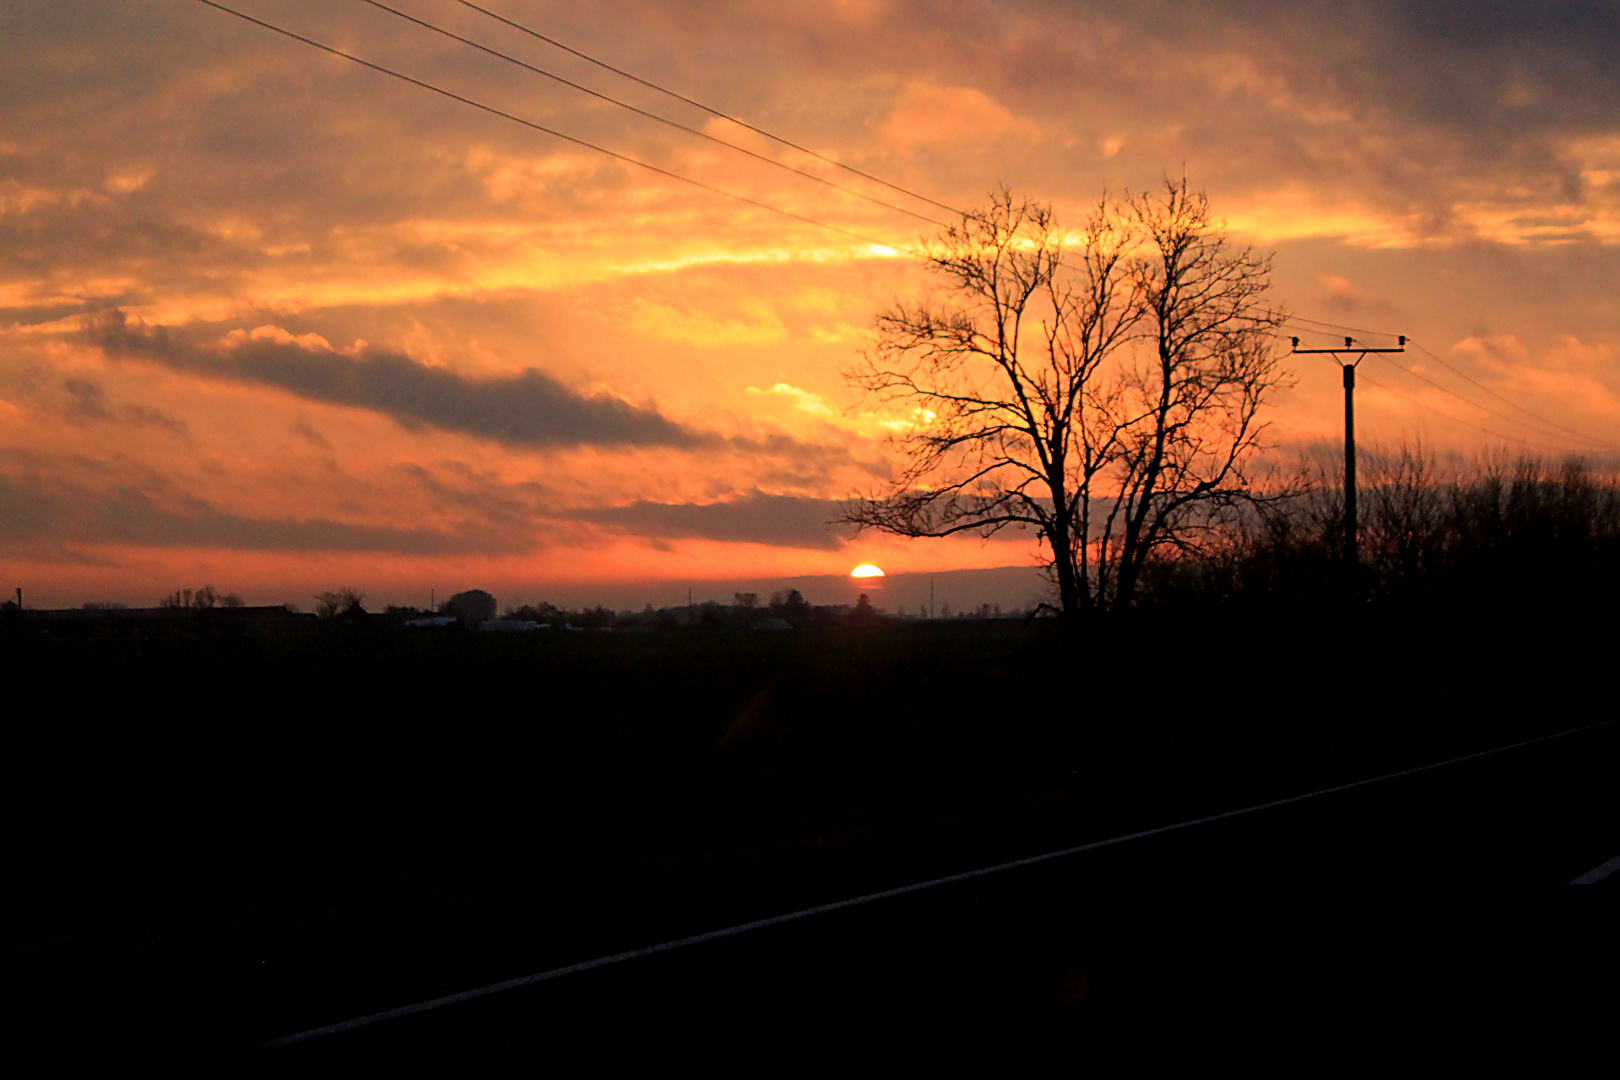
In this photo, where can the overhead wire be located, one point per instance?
(651, 115)
(707, 108)
(1336, 326)
(1292, 321)
(1502, 435)
(1369, 380)
(551, 131)
(1464, 375)
(1484, 408)
(1562, 431)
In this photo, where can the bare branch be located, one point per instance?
(1106, 395)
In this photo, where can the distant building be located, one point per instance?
(438, 622)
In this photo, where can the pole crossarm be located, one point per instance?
(1349, 346)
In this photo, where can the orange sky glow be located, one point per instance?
(276, 322)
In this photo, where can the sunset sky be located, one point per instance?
(277, 322)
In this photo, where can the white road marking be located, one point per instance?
(776, 920)
(1598, 873)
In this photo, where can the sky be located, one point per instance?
(276, 322)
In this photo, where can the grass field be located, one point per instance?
(314, 818)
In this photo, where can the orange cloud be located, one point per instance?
(927, 114)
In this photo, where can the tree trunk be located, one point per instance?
(1125, 588)
(1069, 595)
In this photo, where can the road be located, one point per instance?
(1442, 889)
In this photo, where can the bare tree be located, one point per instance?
(196, 600)
(1106, 396)
(329, 605)
(1187, 413)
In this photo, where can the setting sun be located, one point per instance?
(866, 570)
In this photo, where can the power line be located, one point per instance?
(552, 132)
(1457, 420)
(1336, 326)
(706, 108)
(1463, 375)
(1474, 404)
(755, 202)
(651, 115)
(1293, 322)
(1504, 436)
(1459, 397)
(740, 123)
(1483, 408)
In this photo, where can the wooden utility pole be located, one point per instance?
(1352, 556)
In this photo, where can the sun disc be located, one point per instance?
(866, 570)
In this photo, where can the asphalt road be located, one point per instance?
(1444, 891)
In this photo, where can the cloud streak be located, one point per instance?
(88, 404)
(530, 409)
(65, 514)
(755, 518)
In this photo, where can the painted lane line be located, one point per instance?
(1597, 874)
(777, 920)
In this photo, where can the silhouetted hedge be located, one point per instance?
(1492, 536)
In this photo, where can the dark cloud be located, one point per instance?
(87, 404)
(1485, 64)
(89, 401)
(757, 518)
(305, 430)
(461, 492)
(62, 514)
(38, 314)
(530, 409)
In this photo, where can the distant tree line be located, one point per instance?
(786, 607)
(203, 599)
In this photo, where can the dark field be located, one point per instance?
(221, 841)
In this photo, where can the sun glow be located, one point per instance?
(866, 570)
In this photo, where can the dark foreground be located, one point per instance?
(1420, 909)
(217, 843)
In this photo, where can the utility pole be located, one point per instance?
(1352, 557)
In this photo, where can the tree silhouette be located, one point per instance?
(1106, 396)
(202, 599)
(790, 606)
(329, 605)
(472, 607)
